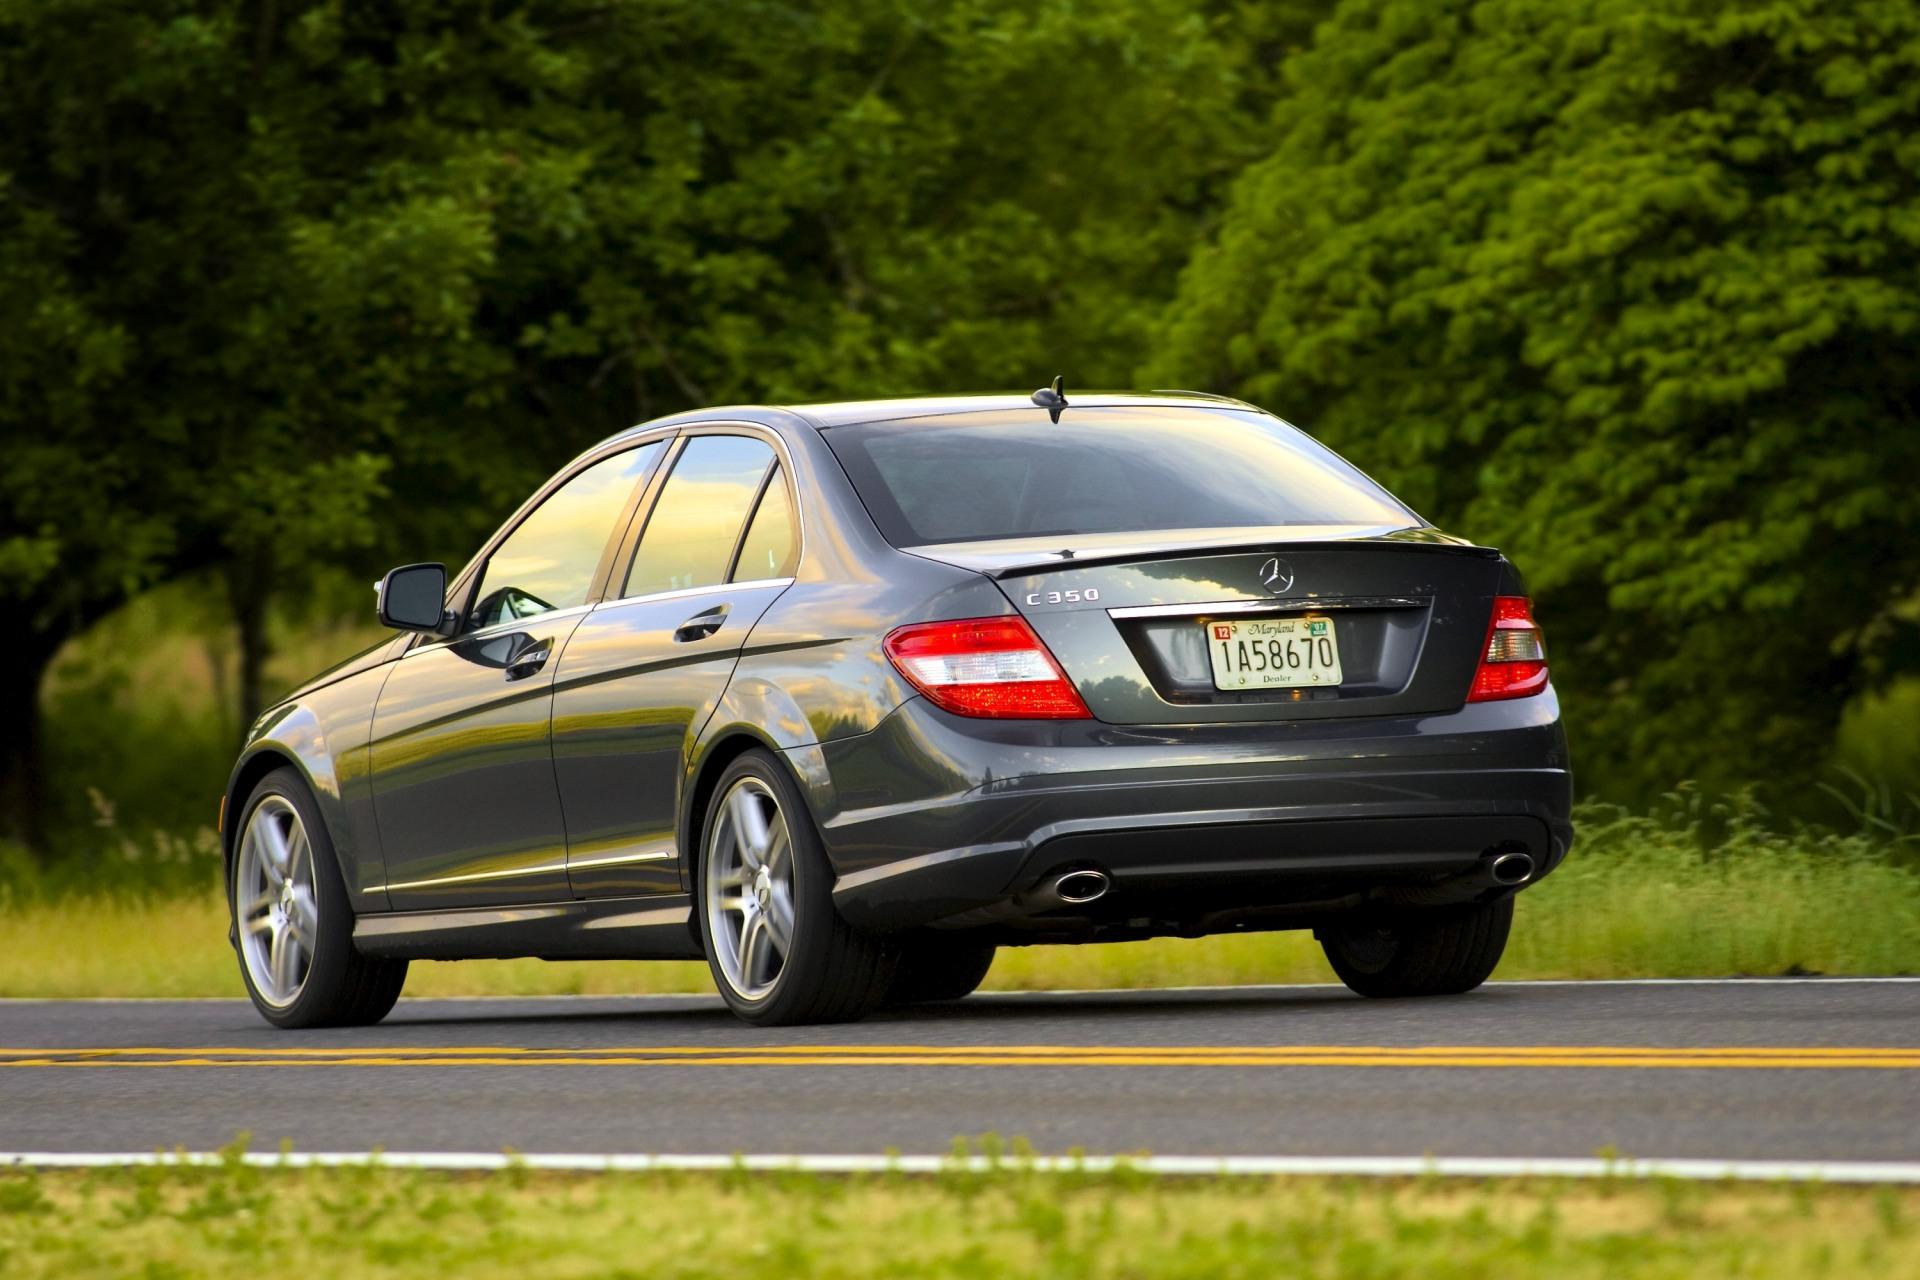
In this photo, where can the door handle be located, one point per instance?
(701, 626)
(528, 661)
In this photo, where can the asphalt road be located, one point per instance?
(1809, 1070)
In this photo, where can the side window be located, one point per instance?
(770, 546)
(696, 521)
(547, 562)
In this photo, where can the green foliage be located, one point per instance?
(304, 281)
(139, 719)
(1629, 290)
(305, 250)
(1625, 288)
(1879, 755)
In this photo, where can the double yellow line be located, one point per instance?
(1633, 1057)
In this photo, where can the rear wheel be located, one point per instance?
(780, 953)
(939, 969)
(1433, 952)
(293, 925)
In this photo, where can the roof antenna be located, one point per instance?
(1054, 398)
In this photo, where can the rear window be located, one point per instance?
(980, 477)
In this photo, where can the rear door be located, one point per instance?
(644, 670)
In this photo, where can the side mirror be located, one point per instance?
(413, 598)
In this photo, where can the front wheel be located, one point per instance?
(1438, 951)
(293, 925)
(780, 953)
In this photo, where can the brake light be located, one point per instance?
(1514, 663)
(995, 668)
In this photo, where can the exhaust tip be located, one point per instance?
(1077, 887)
(1512, 868)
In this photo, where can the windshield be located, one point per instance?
(981, 477)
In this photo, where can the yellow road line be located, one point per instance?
(1772, 1064)
(991, 1050)
(1588, 1057)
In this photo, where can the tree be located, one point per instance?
(1630, 290)
(233, 283)
(298, 281)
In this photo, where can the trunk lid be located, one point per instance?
(1130, 617)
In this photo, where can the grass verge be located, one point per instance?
(237, 1220)
(1704, 891)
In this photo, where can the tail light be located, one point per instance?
(990, 667)
(1514, 664)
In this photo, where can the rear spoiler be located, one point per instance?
(1016, 558)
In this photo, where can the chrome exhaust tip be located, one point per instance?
(1512, 868)
(1076, 887)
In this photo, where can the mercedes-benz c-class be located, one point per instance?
(844, 697)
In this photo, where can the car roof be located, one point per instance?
(844, 413)
(826, 415)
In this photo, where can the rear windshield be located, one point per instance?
(979, 477)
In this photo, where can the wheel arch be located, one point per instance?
(289, 737)
(722, 750)
(254, 766)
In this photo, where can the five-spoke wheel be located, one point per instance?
(779, 951)
(749, 888)
(278, 911)
(292, 921)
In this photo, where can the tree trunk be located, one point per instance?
(248, 582)
(23, 776)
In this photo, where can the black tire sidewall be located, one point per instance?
(1437, 951)
(934, 969)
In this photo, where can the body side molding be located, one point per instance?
(653, 927)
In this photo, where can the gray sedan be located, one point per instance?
(843, 697)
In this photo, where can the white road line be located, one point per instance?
(1065, 991)
(1831, 1171)
(1523, 982)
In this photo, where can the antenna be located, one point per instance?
(1054, 398)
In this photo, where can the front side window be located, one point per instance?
(548, 561)
(696, 522)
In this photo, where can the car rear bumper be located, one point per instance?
(934, 819)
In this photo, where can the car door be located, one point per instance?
(645, 669)
(461, 758)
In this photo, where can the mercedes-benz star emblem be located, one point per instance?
(1278, 575)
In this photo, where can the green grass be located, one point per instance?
(240, 1220)
(1702, 890)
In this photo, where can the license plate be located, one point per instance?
(1273, 653)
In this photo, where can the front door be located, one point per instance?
(644, 670)
(462, 760)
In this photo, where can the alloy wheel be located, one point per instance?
(749, 889)
(275, 903)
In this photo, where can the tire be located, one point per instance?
(325, 982)
(936, 968)
(1438, 951)
(827, 971)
